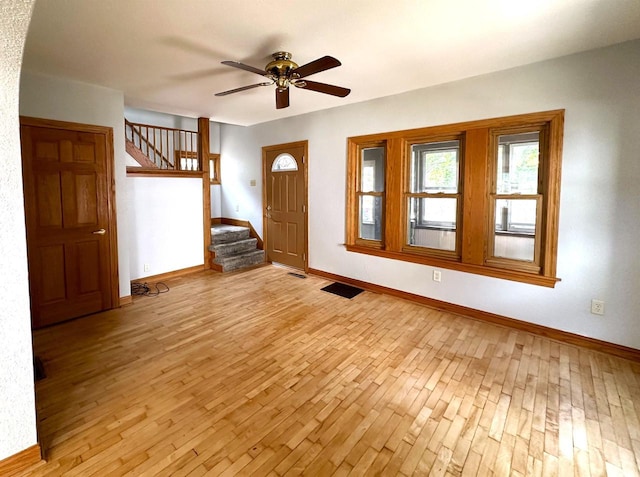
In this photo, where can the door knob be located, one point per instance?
(99, 232)
(268, 207)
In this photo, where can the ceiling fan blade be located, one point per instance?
(321, 64)
(243, 88)
(242, 66)
(323, 88)
(282, 98)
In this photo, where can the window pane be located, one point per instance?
(284, 162)
(434, 167)
(518, 163)
(432, 222)
(214, 169)
(516, 216)
(372, 171)
(370, 217)
(515, 229)
(515, 247)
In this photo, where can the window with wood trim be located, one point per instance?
(214, 168)
(432, 196)
(479, 197)
(368, 178)
(515, 199)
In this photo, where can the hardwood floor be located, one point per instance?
(261, 373)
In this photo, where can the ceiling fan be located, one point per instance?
(283, 73)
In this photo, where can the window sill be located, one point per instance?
(504, 274)
(508, 233)
(438, 228)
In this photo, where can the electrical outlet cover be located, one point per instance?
(597, 307)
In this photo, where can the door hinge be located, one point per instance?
(304, 208)
(304, 257)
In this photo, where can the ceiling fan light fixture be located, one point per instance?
(282, 82)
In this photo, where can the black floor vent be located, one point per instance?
(340, 289)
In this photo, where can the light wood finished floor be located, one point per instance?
(261, 373)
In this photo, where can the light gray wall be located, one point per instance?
(598, 256)
(163, 120)
(65, 100)
(165, 223)
(17, 398)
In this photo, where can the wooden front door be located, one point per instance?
(69, 218)
(285, 197)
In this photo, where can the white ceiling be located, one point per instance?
(165, 54)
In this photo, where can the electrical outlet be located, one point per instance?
(237, 207)
(146, 267)
(597, 307)
(437, 276)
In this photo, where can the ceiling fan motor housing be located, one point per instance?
(280, 69)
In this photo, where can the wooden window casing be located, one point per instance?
(356, 193)
(475, 228)
(534, 265)
(214, 168)
(407, 195)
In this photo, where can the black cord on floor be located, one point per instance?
(142, 289)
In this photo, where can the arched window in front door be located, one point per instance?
(284, 162)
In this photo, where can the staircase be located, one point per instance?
(232, 248)
(155, 147)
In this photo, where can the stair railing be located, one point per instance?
(167, 148)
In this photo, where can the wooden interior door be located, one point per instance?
(285, 196)
(70, 227)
